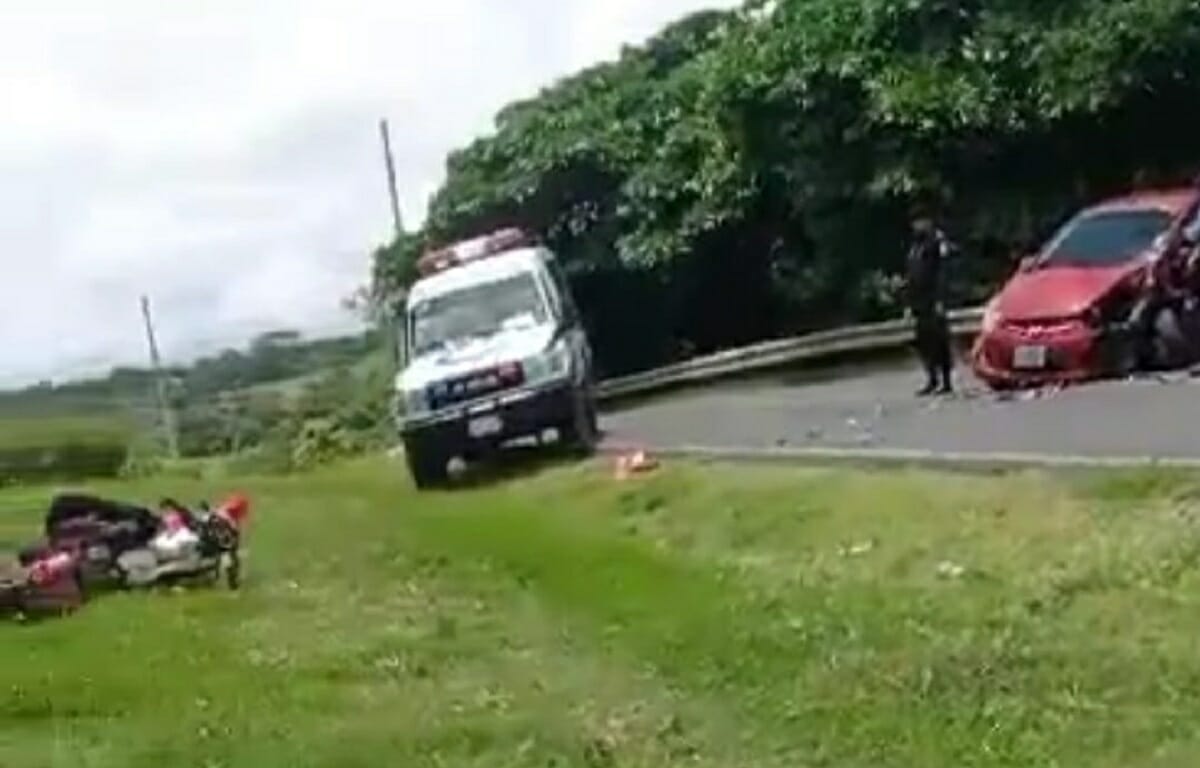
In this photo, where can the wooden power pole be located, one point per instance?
(390, 337)
(165, 413)
(390, 164)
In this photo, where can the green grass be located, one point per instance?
(705, 616)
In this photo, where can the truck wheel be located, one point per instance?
(428, 468)
(581, 433)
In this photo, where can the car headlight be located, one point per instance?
(991, 318)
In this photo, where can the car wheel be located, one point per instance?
(1169, 339)
(1123, 353)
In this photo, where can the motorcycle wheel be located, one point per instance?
(233, 572)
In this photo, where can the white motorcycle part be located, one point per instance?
(140, 567)
(180, 544)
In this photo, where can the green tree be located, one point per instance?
(747, 173)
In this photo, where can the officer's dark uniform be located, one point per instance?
(926, 300)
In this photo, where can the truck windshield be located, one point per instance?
(477, 311)
(1106, 239)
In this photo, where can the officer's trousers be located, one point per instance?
(933, 344)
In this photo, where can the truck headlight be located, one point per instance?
(551, 365)
(412, 403)
(558, 359)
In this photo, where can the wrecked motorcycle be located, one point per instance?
(136, 548)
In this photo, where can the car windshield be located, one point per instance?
(480, 310)
(1106, 239)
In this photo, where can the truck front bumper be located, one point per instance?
(496, 420)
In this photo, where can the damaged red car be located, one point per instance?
(1078, 309)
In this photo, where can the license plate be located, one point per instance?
(485, 426)
(1029, 357)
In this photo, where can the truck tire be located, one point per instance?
(581, 433)
(427, 467)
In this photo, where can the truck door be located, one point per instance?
(570, 318)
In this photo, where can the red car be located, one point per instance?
(1064, 316)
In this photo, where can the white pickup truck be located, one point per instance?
(495, 351)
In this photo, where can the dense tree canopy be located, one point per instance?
(747, 173)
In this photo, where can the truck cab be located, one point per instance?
(495, 351)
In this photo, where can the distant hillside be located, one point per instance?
(270, 359)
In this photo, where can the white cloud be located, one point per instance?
(223, 155)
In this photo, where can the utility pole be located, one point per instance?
(390, 163)
(389, 322)
(166, 415)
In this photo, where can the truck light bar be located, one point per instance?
(474, 249)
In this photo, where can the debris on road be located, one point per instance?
(1029, 395)
(861, 434)
(1174, 377)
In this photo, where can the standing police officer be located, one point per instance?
(926, 291)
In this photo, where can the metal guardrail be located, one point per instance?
(774, 354)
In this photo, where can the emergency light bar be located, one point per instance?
(473, 250)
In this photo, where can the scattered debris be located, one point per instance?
(1028, 395)
(950, 570)
(599, 753)
(633, 463)
(866, 439)
(861, 434)
(858, 550)
(1174, 377)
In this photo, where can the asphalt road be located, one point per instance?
(1156, 417)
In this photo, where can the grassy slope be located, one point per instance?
(723, 617)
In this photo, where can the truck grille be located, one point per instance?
(472, 386)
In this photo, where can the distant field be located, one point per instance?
(42, 448)
(16, 431)
(705, 616)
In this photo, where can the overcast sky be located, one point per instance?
(223, 156)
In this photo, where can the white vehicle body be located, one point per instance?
(495, 350)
